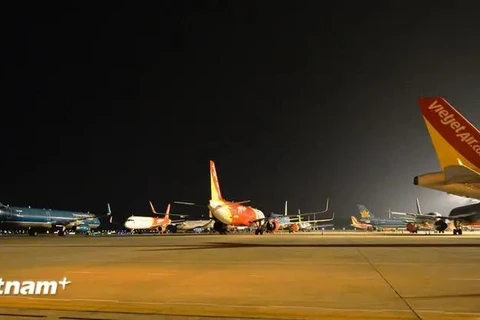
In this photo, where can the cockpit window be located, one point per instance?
(129, 220)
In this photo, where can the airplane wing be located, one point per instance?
(321, 220)
(434, 218)
(309, 213)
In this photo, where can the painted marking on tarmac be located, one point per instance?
(255, 306)
(96, 300)
(464, 279)
(287, 263)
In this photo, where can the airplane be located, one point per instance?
(163, 225)
(42, 220)
(195, 224)
(313, 224)
(361, 225)
(293, 222)
(457, 145)
(427, 220)
(367, 217)
(236, 214)
(185, 225)
(371, 227)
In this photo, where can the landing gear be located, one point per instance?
(32, 232)
(259, 231)
(220, 227)
(458, 228)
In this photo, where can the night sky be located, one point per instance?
(127, 103)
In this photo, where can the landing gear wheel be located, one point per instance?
(32, 232)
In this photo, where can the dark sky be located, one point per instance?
(127, 103)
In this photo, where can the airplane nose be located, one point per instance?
(415, 181)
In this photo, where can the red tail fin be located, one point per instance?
(216, 194)
(454, 138)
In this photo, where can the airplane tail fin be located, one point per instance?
(419, 211)
(354, 221)
(167, 213)
(216, 194)
(286, 208)
(364, 212)
(456, 141)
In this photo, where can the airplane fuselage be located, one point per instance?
(193, 224)
(20, 217)
(385, 223)
(234, 214)
(141, 223)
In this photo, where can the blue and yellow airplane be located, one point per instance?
(42, 220)
(367, 217)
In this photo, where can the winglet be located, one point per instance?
(151, 206)
(326, 206)
(109, 210)
(419, 211)
(286, 207)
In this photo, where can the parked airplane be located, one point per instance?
(195, 224)
(143, 223)
(371, 227)
(42, 220)
(367, 217)
(236, 214)
(293, 222)
(314, 224)
(361, 225)
(186, 224)
(426, 221)
(457, 145)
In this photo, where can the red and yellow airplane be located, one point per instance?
(457, 145)
(237, 214)
(233, 213)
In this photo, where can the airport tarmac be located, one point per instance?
(281, 276)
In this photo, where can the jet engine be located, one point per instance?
(171, 228)
(441, 225)
(81, 229)
(272, 225)
(412, 228)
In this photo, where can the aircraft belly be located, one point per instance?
(26, 224)
(462, 190)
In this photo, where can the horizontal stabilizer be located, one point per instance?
(460, 174)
